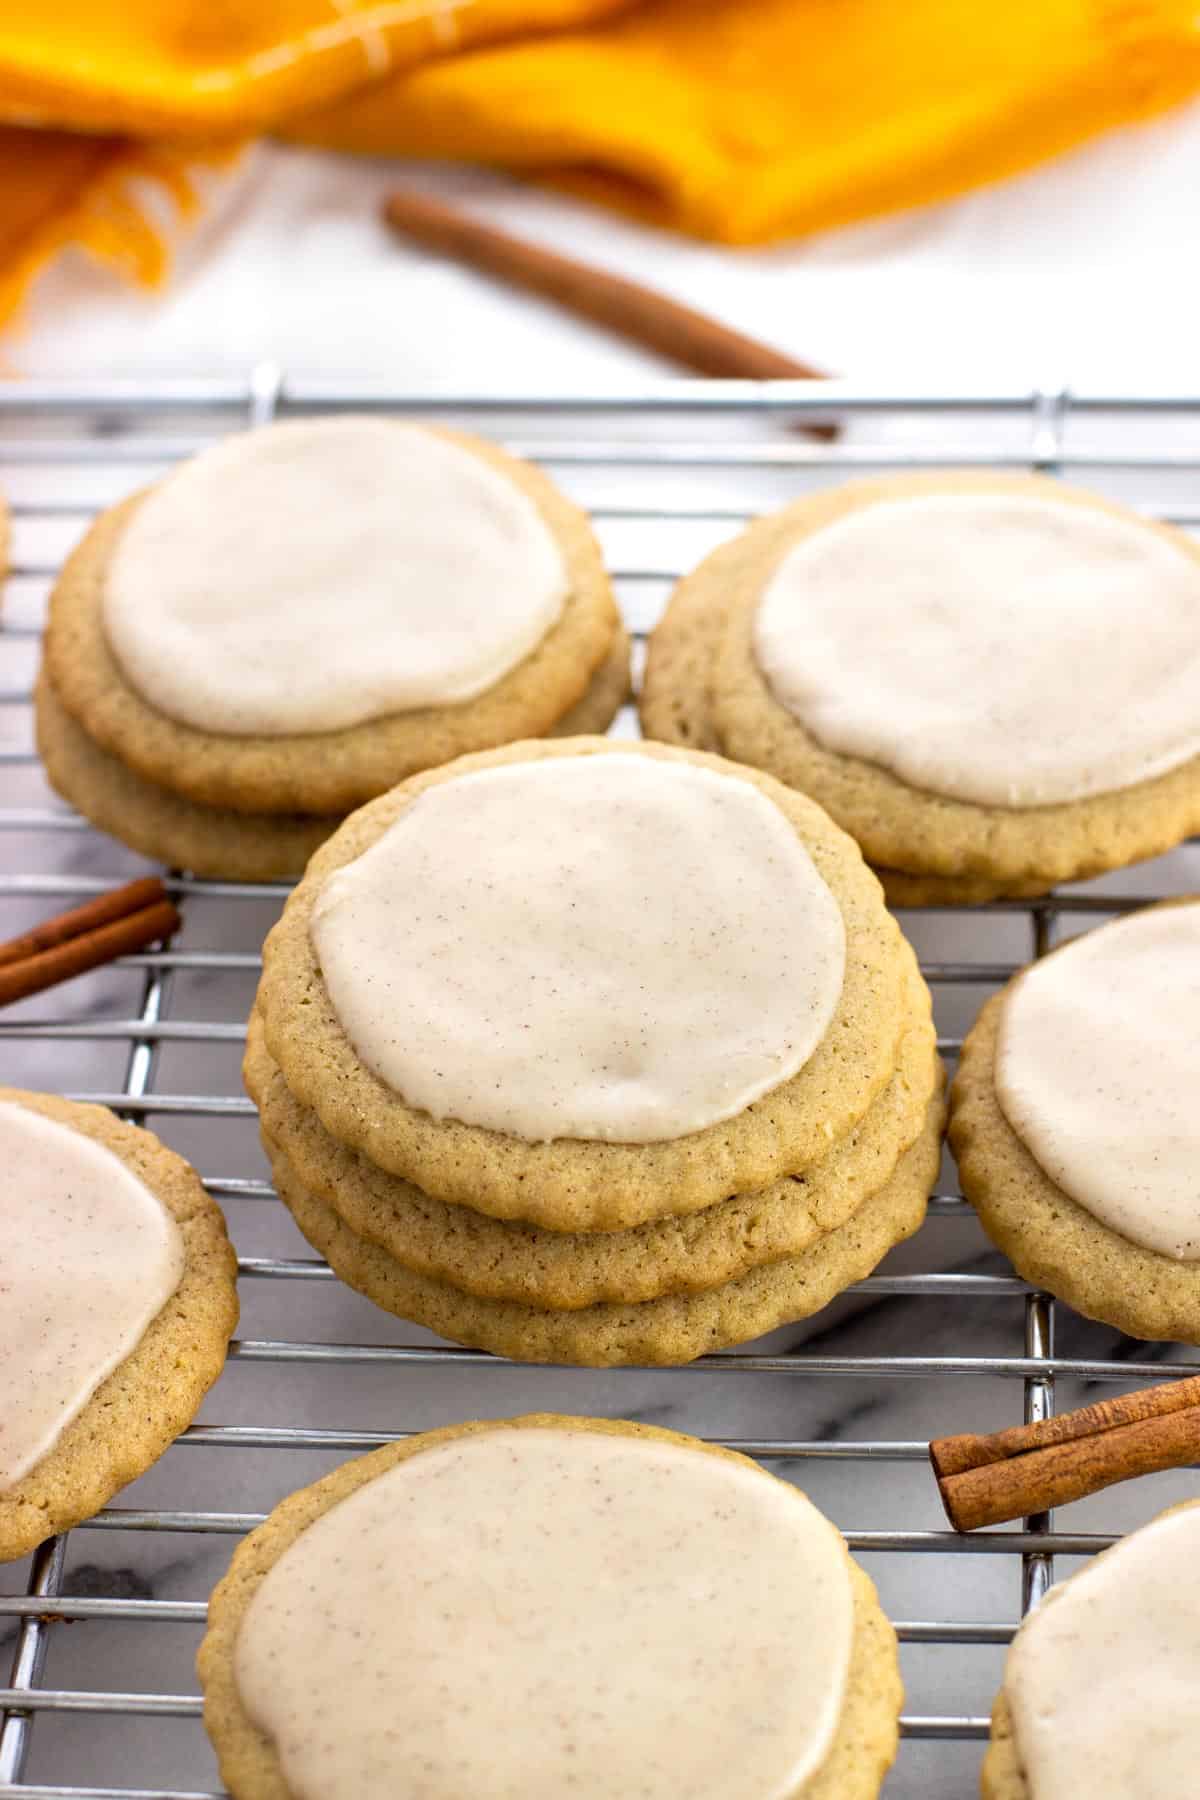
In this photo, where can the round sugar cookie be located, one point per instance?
(1124, 1728)
(836, 1725)
(155, 1389)
(1053, 1238)
(326, 770)
(704, 687)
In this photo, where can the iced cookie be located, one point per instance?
(586, 984)
(549, 1605)
(529, 1022)
(119, 1299)
(1074, 1122)
(938, 659)
(299, 617)
(1100, 1682)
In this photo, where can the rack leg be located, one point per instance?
(1037, 1567)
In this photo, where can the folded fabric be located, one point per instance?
(737, 120)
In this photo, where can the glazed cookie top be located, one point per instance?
(609, 948)
(1097, 1071)
(980, 645)
(572, 1610)
(321, 573)
(1102, 1677)
(573, 1184)
(90, 1257)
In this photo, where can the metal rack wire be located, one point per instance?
(666, 473)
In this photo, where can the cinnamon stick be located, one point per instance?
(986, 1480)
(113, 924)
(626, 307)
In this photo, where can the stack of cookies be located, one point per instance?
(938, 660)
(595, 1053)
(299, 618)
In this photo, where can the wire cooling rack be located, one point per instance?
(100, 1627)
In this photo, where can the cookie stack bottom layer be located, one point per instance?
(663, 1292)
(216, 841)
(675, 1329)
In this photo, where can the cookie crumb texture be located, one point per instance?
(137, 1410)
(674, 1329)
(704, 688)
(588, 1606)
(494, 1259)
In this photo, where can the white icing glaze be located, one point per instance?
(315, 574)
(1098, 1070)
(526, 1614)
(606, 946)
(985, 647)
(89, 1258)
(1102, 1678)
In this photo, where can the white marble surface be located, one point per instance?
(1081, 270)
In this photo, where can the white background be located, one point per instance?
(1084, 270)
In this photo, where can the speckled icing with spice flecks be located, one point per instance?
(611, 947)
(90, 1257)
(526, 1614)
(316, 574)
(1102, 1678)
(1098, 1073)
(991, 648)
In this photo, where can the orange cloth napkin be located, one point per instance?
(738, 120)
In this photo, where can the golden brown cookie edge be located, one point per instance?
(667, 1332)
